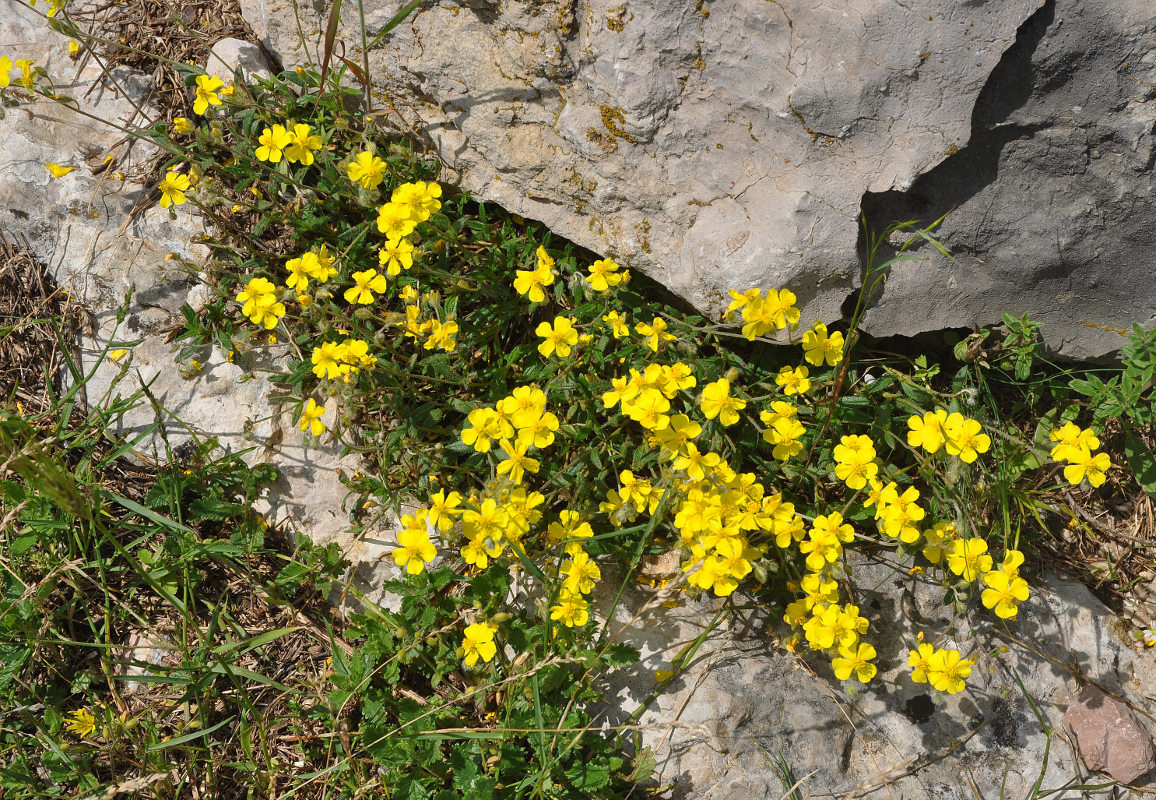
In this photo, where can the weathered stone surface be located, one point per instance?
(736, 143)
(229, 55)
(1051, 202)
(1110, 738)
(745, 702)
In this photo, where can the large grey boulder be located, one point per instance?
(736, 143)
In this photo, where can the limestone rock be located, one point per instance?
(735, 144)
(746, 708)
(1111, 740)
(1048, 205)
(230, 55)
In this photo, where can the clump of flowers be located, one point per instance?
(561, 417)
(1077, 446)
(260, 304)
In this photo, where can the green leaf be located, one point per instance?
(189, 737)
(1142, 462)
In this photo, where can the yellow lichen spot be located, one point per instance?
(614, 120)
(616, 19)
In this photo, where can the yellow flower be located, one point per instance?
(1086, 465)
(478, 642)
(784, 434)
(319, 265)
(5, 70)
(415, 549)
(273, 142)
(302, 143)
(365, 285)
(73, 47)
(442, 335)
(420, 198)
(485, 424)
(539, 431)
(717, 402)
(1071, 441)
(571, 610)
(207, 88)
(298, 276)
(968, 558)
(1004, 593)
(856, 661)
(57, 170)
(964, 438)
(819, 347)
(26, 76)
(654, 333)
(569, 529)
(396, 255)
(366, 170)
(182, 125)
(444, 508)
(927, 431)
(118, 354)
(173, 189)
(259, 303)
(328, 361)
(947, 669)
(531, 283)
(761, 315)
(617, 323)
(559, 337)
(516, 463)
(580, 573)
(855, 461)
(311, 418)
(794, 381)
(920, 662)
(603, 275)
(394, 220)
(82, 722)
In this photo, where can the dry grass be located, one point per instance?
(149, 33)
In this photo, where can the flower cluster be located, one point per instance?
(764, 314)
(945, 669)
(955, 433)
(517, 423)
(316, 266)
(408, 206)
(645, 396)
(1077, 446)
(333, 360)
(296, 144)
(260, 304)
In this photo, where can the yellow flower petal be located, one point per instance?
(57, 170)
